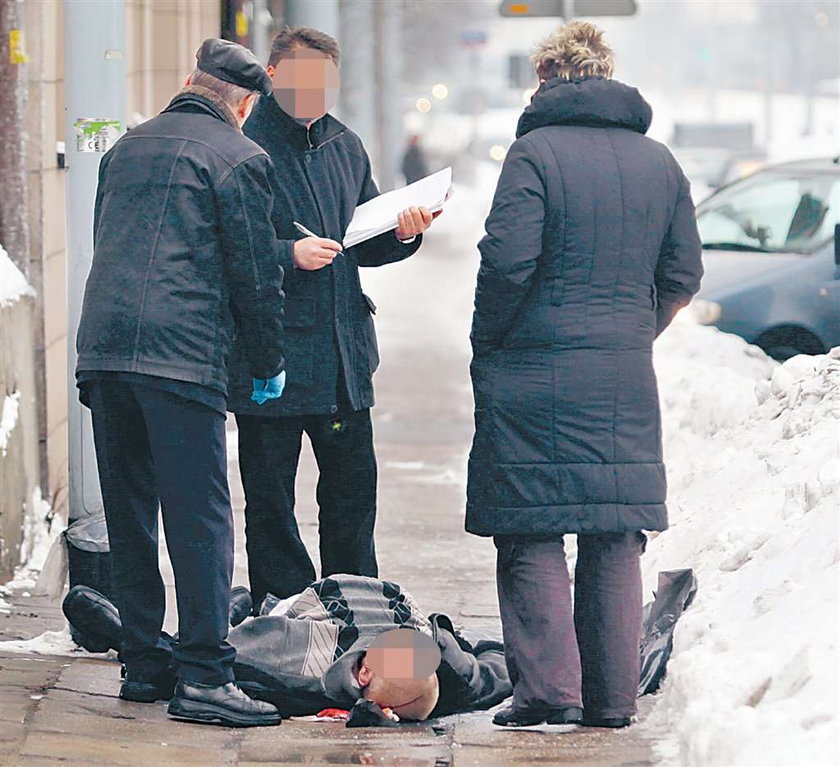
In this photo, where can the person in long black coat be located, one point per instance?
(321, 174)
(591, 248)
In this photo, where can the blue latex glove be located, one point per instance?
(266, 389)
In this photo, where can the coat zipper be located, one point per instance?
(331, 138)
(321, 216)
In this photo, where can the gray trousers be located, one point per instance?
(559, 656)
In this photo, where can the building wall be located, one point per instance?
(161, 39)
(19, 455)
(45, 109)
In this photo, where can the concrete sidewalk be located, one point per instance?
(66, 708)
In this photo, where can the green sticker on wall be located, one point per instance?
(96, 134)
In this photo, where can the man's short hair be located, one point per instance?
(572, 51)
(290, 38)
(230, 93)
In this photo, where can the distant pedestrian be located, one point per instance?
(183, 244)
(414, 166)
(591, 248)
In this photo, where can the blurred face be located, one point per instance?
(408, 698)
(306, 84)
(398, 672)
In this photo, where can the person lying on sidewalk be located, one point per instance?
(335, 651)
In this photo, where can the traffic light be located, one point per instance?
(568, 8)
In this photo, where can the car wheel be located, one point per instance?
(783, 343)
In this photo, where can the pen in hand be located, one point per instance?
(304, 231)
(314, 252)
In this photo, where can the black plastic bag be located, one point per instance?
(675, 592)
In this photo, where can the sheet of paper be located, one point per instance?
(380, 214)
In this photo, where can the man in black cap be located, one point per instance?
(184, 249)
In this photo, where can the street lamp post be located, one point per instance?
(94, 87)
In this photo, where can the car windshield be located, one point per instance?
(772, 212)
(704, 166)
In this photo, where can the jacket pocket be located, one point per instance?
(371, 347)
(369, 351)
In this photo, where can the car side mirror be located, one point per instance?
(837, 244)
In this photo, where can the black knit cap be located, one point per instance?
(234, 64)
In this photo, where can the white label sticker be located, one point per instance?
(96, 134)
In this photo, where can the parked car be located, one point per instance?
(711, 168)
(771, 247)
(714, 154)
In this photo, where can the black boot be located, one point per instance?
(612, 723)
(223, 704)
(520, 717)
(146, 688)
(530, 716)
(570, 715)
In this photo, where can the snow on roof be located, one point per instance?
(13, 284)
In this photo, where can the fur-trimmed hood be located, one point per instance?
(593, 101)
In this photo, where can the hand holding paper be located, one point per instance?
(412, 222)
(381, 214)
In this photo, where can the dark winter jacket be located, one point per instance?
(322, 174)
(302, 654)
(183, 245)
(591, 248)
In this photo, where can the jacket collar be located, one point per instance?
(592, 101)
(290, 131)
(211, 102)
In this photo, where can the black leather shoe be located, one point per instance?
(612, 723)
(241, 605)
(142, 688)
(223, 704)
(570, 715)
(94, 620)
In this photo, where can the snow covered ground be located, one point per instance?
(42, 529)
(753, 452)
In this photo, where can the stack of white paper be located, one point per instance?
(379, 215)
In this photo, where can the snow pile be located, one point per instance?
(48, 643)
(753, 452)
(13, 284)
(8, 420)
(41, 528)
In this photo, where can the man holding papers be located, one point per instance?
(322, 175)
